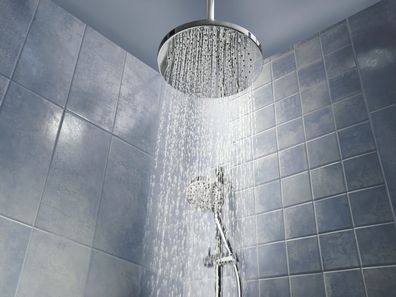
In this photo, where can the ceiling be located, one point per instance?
(139, 25)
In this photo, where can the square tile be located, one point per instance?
(49, 56)
(28, 124)
(370, 206)
(286, 86)
(110, 276)
(293, 160)
(339, 250)
(270, 227)
(96, 85)
(296, 189)
(268, 197)
(315, 97)
(14, 238)
(340, 61)
(276, 287)
(248, 231)
(335, 37)
(264, 77)
(264, 143)
(311, 75)
(363, 171)
(288, 109)
(54, 267)
(344, 283)
(344, 85)
(244, 203)
(263, 96)
(272, 260)
(319, 122)
(265, 118)
(356, 140)
(377, 244)
(333, 214)
(380, 282)
(303, 255)
(350, 111)
(323, 150)
(308, 51)
(242, 177)
(249, 266)
(300, 221)
(291, 133)
(311, 285)
(3, 87)
(266, 169)
(15, 17)
(283, 65)
(251, 289)
(74, 185)
(328, 181)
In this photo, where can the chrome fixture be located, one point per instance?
(207, 193)
(209, 58)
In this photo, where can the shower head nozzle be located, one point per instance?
(205, 193)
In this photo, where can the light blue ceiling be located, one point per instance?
(139, 25)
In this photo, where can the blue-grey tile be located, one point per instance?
(311, 75)
(53, 267)
(339, 250)
(350, 111)
(300, 221)
(264, 143)
(370, 206)
(15, 17)
(340, 61)
(71, 197)
(377, 244)
(276, 287)
(272, 260)
(283, 65)
(291, 133)
(315, 97)
(248, 231)
(384, 123)
(327, 181)
(264, 77)
(308, 51)
(110, 276)
(303, 255)
(266, 169)
(333, 214)
(311, 285)
(319, 122)
(251, 289)
(96, 85)
(244, 203)
(335, 37)
(263, 96)
(13, 242)
(49, 56)
(293, 160)
(296, 189)
(323, 150)
(363, 171)
(243, 176)
(288, 109)
(248, 258)
(380, 282)
(344, 283)
(270, 227)
(122, 213)
(3, 87)
(265, 118)
(356, 140)
(344, 85)
(28, 125)
(268, 197)
(285, 86)
(373, 34)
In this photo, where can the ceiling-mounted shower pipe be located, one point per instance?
(210, 9)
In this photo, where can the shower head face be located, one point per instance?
(205, 194)
(210, 59)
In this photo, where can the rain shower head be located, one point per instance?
(209, 58)
(205, 193)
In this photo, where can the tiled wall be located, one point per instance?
(78, 120)
(321, 222)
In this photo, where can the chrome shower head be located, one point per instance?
(205, 193)
(209, 58)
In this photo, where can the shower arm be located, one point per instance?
(210, 6)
